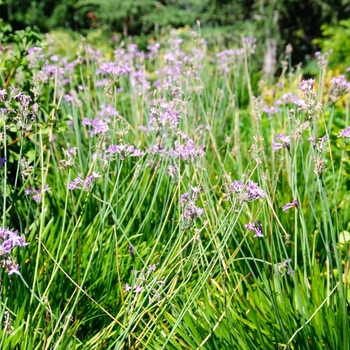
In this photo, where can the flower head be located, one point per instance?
(345, 133)
(2, 162)
(278, 145)
(127, 288)
(256, 229)
(307, 85)
(290, 205)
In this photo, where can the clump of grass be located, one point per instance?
(171, 202)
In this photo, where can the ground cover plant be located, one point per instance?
(171, 199)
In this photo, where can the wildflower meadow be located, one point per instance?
(171, 198)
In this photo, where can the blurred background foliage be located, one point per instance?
(300, 23)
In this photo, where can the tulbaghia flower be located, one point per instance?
(278, 145)
(127, 288)
(36, 193)
(287, 206)
(124, 150)
(187, 151)
(98, 126)
(184, 198)
(344, 133)
(108, 111)
(271, 110)
(172, 171)
(250, 43)
(3, 93)
(339, 86)
(283, 267)
(114, 69)
(312, 141)
(246, 193)
(9, 239)
(2, 162)
(138, 289)
(131, 251)
(256, 229)
(236, 186)
(254, 191)
(307, 85)
(190, 212)
(86, 185)
(13, 268)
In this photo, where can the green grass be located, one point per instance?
(224, 288)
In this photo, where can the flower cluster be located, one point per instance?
(187, 151)
(246, 193)
(97, 126)
(9, 239)
(69, 155)
(113, 69)
(36, 193)
(339, 86)
(124, 151)
(164, 116)
(2, 162)
(283, 267)
(345, 133)
(319, 157)
(256, 229)
(309, 104)
(288, 206)
(190, 212)
(143, 283)
(285, 142)
(249, 43)
(86, 185)
(139, 82)
(227, 58)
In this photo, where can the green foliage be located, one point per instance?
(335, 39)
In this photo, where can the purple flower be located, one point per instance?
(13, 268)
(9, 239)
(270, 110)
(138, 289)
(312, 140)
(124, 151)
(86, 185)
(307, 85)
(290, 205)
(246, 193)
(98, 126)
(285, 142)
(254, 191)
(283, 267)
(131, 251)
(344, 133)
(36, 193)
(250, 43)
(286, 262)
(114, 69)
(184, 198)
(127, 288)
(152, 268)
(276, 146)
(340, 83)
(256, 229)
(2, 162)
(15, 240)
(3, 93)
(236, 186)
